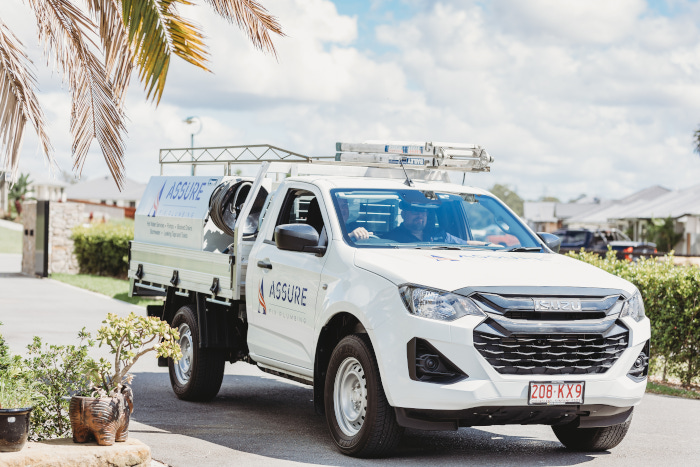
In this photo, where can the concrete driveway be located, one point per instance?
(258, 419)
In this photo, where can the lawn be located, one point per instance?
(109, 286)
(657, 387)
(10, 241)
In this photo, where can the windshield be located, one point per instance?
(425, 219)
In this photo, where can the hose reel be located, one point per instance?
(226, 202)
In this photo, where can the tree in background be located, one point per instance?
(19, 191)
(97, 48)
(549, 199)
(508, 196)
(663, 233)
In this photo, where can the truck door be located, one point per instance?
(281, 323)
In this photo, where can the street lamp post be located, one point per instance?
(189, 121)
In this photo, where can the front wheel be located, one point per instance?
(591, 439)
(359, 417)
(197, 376)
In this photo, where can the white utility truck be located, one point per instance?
(403, 299)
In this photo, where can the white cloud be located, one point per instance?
(571, 97)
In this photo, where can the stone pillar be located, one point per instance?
(29, 237)
(62, 218)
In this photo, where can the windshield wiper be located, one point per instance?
(519, 249)
(437, 247)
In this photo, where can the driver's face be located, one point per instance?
(414, 220)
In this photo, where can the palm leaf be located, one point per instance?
(119, 58)
(155, 31)
(70, 36)
(253, 18)
(18, 102)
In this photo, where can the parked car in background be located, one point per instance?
(597, 241)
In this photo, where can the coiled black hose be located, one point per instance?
(226, 202)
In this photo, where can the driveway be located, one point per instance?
(258, 419)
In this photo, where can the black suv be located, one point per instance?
(597, 241)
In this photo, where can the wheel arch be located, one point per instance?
(338, 326)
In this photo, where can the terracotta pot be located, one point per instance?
(14, 429)
(101, 419)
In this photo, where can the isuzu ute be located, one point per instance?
(371, 279)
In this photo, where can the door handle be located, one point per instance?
(264, 264)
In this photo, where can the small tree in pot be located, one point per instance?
(17, 397)
(105, 416)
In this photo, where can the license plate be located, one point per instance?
(561, 393)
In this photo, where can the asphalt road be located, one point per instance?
(258, 419)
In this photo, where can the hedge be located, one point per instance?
(672, 301)
(103, 249)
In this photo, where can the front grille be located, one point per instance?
(552, 354)
(522, 307)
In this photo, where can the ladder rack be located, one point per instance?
(422, 157)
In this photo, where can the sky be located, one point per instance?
(570, 97)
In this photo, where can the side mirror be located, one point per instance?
(552, 241)
(298, 237)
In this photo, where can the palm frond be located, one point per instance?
(155, 31)
(18, 102)
(119, 58)
(253, 18)
(70, 36)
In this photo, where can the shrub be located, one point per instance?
(672, 304)
(60, 371)
(103, 248)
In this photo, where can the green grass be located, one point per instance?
(10, 241)
(109, 286)
(659, 388)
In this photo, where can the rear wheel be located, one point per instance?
(360, 419)
(591, 439)
(199, 373)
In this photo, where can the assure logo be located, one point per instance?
(261, 299)
(281, 292)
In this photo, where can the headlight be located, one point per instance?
(437, 304)
(634, 307)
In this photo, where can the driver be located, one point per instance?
(354, 230)
(414, 227)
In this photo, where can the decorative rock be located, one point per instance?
(66, 453)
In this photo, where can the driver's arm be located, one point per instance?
(360, 233)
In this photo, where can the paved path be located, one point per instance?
(258, 419)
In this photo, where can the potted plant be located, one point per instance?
(16, 401)
(104, 416)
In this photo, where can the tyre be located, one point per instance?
(198, 375)
(591, 439)
(359, 417)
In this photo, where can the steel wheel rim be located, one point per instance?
(183, 368)
(350, 396)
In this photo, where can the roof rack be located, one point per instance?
(228, 156)
(387, 155)
(429, 155)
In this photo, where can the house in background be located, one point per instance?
(47, 189)
(631, 214)
(683, 206)
(103, 199)
(540, 216)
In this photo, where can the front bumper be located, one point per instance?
(487, 397)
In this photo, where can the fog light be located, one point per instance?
(640, 367)
(427, 364)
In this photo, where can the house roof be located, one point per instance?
(104, 188)
(539, 211)
(45, 181)
(620, 209)
(673, 204)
